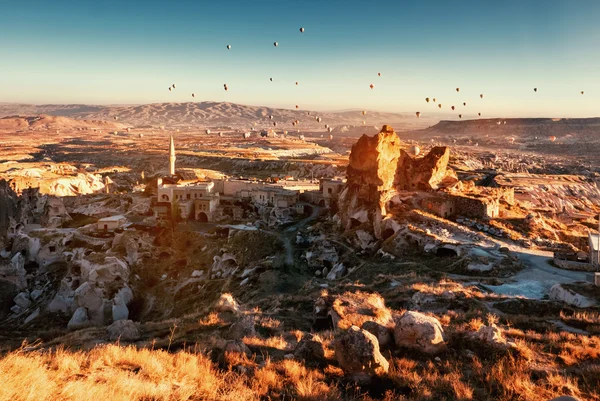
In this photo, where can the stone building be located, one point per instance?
(111, 223)
(594, 246)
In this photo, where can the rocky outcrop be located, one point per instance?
(424, 174)
(378, 169)
(357, 352)
(224, 266)
(310, 350)
(419, 331)
(123, 330)
(242, 328)
(370, 177)
(226, 303)
(355, 308)
(8, 208)
(570, 297)
(79, 320)
(492, 335)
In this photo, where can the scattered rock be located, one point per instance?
(355, 308)
(79, 320)
(22, 300)
(33, 316)
(419, 331)
(357, 351)
(310, 350)
(384, 334)
(337, 272)
(236, 347)
(226, 303)
(242, 328)
(123, 330)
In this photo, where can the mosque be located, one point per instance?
(195, 199)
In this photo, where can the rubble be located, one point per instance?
(123, 330)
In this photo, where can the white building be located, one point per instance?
(111, 223)
(594, 246)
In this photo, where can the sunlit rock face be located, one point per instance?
(423, 174)
(378, 169)
(370, 174)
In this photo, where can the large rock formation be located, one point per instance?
(370, 178)
(378, 169)
(419, 331)
(426, 173)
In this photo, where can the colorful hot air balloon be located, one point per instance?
(319, 119)
(440, 105)
(464, 103)
(228, 47)
(418, 113)
(170, 89)
(296, 83)
(452, 107)
(458, 89)
(270, 117)
(275, 44)
(193, 95)
(371, 86)
(297, 106)
(552, 138)
(481, 96)
(427, 99)
(173, 86)
(225, 87)
(535, 89)
(301, 30)
(433, 100)
(582, 92)
(460, 116)
(479, 114)
(378, 74)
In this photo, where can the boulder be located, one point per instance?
(79, 320)
(384, 334)
(226, 303)
(92, 299)
(224, 266)
(419, 331)
(491, 335)
(242, 328)
(356, 307)
(119, 309)
(310, 350)
(337, 272)
(123, 330)
(365, 240)
(570, 297)
(357, 351)
(22, 300)
(236, 347)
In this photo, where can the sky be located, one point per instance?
(130, 52)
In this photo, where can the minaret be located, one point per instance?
(171, 157)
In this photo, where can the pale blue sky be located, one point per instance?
(124, 52)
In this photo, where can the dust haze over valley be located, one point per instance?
(180, 248)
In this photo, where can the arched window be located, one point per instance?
(165, 197)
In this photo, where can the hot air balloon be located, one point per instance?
(116, 118)
(364, 112)
(330, 137)
(460, 116)
(552, 138)
(458, 89)
(173, 86)
(193, 95)
(582, 92)
(440, 105)
(275, 44)
(415, 150)
(296, 83)
(270, 117)
(511, 140)
(271, 79)
(499, 122)
(364, 122)
(427, 99)
(479, 114)
(452, 107)
(225, 87)
(329, 129)
(170, 89)
(378, 74)
(141, 135)
(297, 106)
(228, 47)
(326, 125)
(207, 132)
(128, 129)
(274, 123)
(504, 122)
(535, 89)
(319, 119)
(433, 100)
(301, 30)
(418, 113)
(371, 86)
(481, 96)
(464, 103)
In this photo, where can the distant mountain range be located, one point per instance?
(215, 114)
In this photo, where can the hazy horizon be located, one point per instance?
(124, 54)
